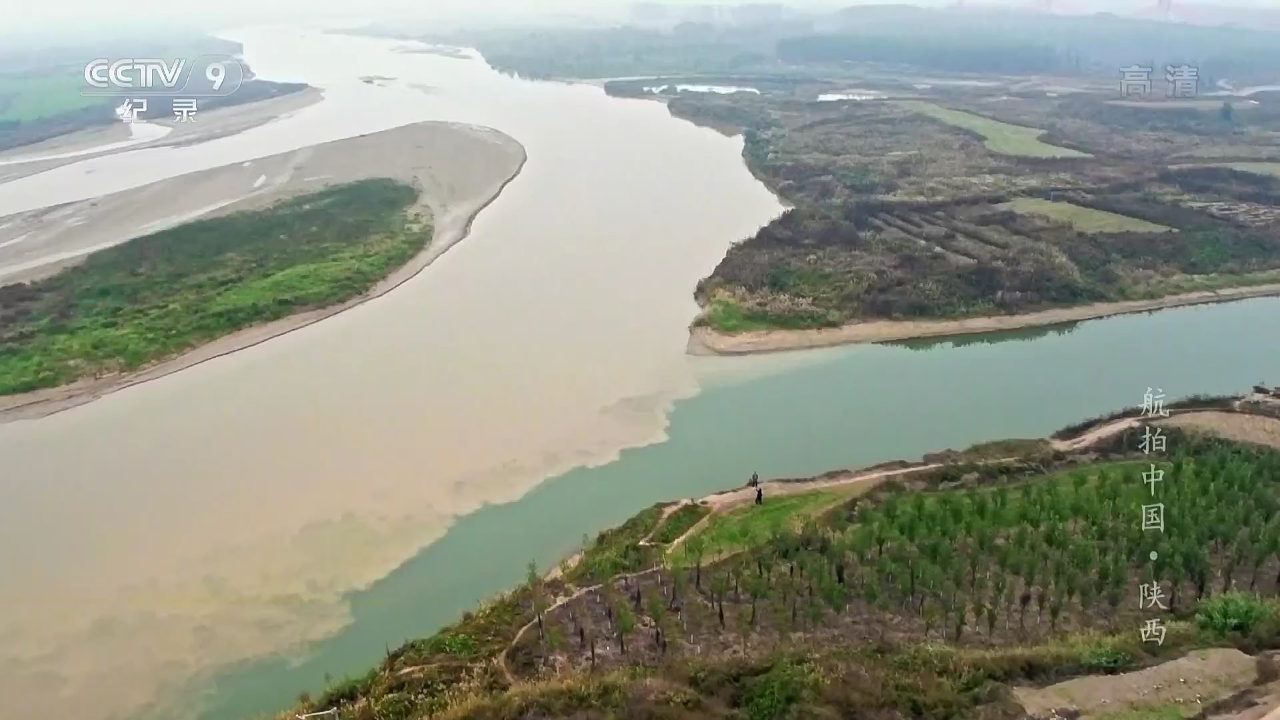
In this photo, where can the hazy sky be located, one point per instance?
(81, 17)
(97, 12)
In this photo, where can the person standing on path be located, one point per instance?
(754, 481)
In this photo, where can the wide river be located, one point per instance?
(312, 500)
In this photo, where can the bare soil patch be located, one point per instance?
(1190, 682)
(1256, 703)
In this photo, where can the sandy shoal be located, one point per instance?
(459, 169)
(706, 341)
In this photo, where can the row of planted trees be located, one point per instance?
(1007, 562)
(1042, 548)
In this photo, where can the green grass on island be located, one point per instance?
(726, 314)
(1086, 220)
(1001, 138)
(151, 298)
(931, 595)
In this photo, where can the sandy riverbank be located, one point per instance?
(706, 341)
(460, 170)
(115, 138)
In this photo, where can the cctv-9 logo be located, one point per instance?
(214, 76)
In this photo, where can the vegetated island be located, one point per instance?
(352, 220)
(910, 218)
(954, 170)
(1009, 580)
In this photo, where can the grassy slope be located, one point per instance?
(679, 522)
(452, 674)
(159, 295)
(750, 525)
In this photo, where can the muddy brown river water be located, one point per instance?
(305, 503)
(223, 512)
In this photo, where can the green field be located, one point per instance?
(32, 96)
(156, 296)
(1001, 138)
(1086, 220)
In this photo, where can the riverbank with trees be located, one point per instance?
(961, 585)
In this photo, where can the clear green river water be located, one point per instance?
(841, 408)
